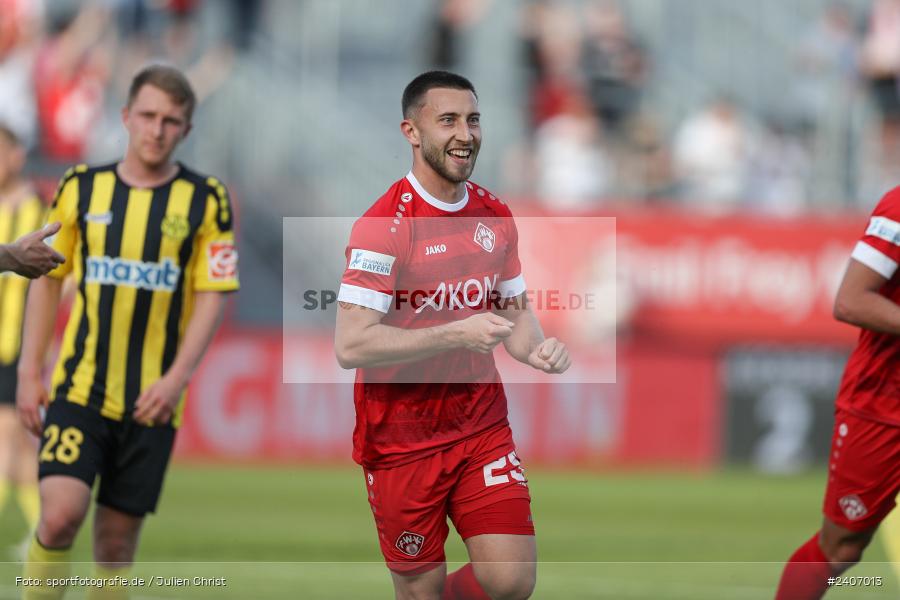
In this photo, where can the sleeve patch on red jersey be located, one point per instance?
(373, 262)
(222, 261)
(885, 229)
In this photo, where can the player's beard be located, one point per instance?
(436, 157)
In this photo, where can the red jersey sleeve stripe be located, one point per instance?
(874, 259)
(511, 287)
(361, 296)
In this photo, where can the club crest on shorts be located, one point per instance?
(410, 543)
(484, 237)
(853, 507)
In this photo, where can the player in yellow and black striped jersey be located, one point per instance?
(138, 255)
(150, 244)
(21, 212)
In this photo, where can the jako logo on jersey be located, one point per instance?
(410, 543)
(853, 507)
(884, 228)
(373, 262)
(405, 197)
(106, 270)
(435, 249)
(471, 293)
(484, 237)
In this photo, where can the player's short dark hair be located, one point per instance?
(414, 94)
(168, 79)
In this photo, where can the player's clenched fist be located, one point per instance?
(30, 257)
(482, 332)
(550, 356)
(31, 396)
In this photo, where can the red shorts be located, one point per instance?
(478, 483)
(863, 472)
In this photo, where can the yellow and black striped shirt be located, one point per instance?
(137, 255)
(16, 219)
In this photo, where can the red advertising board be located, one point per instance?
(736, 278)
(717, 280)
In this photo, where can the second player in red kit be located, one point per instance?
(864, 465)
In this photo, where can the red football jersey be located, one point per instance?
(424, 262)
(871, 384)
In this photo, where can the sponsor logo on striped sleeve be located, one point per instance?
(373, 262)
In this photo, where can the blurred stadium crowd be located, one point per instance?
(771, 107)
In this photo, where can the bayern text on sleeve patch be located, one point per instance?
(373, 262)
(884, 228)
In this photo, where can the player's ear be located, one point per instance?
(409, 131)
(187, 129)
(125, 110)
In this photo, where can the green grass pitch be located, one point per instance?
(307, 532)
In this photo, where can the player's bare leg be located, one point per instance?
(64, 505)
(116, 536)
(843, 547)
(505, 565)
(24, 461)
(424, 586)
(22, 470)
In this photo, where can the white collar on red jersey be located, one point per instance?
(446, 206)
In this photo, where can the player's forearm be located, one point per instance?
(382, 345)
(209, 308)
(40, 318)
(526, 335)
(869, 310)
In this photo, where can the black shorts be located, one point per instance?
(131, 459)
(8, 384)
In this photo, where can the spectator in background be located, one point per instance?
(574, 169)
(20, 26)
(827, 62)
(711, 152)
(779, 171)
(645, 168)
(71, 73)
(552, 38)
(613, 62)
(881, 57)
(453, 19)
(245, 21)
(880, 64)
(827, 70)
(207, 68)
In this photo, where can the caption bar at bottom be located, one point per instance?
(119, 581)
